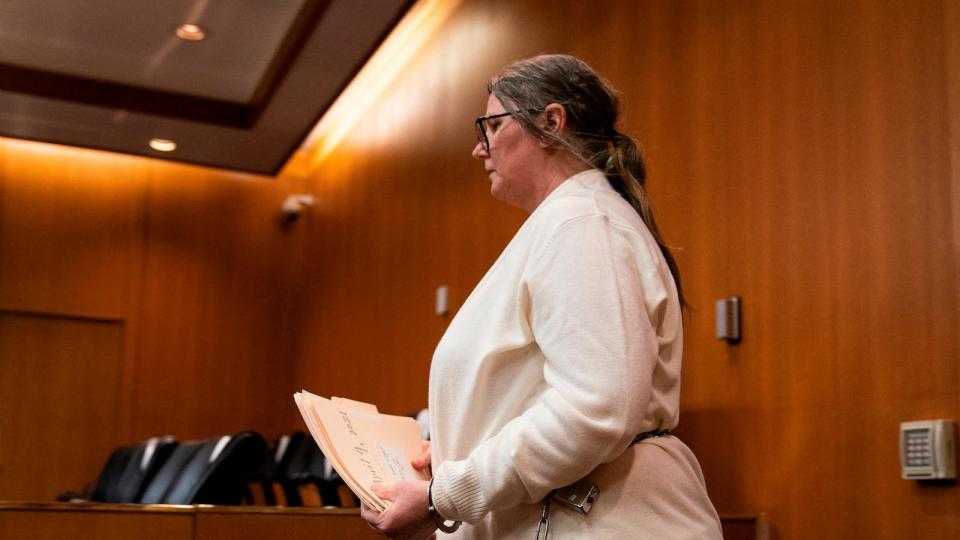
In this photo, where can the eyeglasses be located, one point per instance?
(481, 126)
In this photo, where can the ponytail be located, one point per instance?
(626, 172)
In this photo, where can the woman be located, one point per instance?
(564, 362)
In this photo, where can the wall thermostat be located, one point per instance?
(927, 450)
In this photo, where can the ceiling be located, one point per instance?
(112, 74)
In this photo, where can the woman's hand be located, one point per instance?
(424, 460)
(407, 516)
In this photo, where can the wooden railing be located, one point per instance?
(97, 521)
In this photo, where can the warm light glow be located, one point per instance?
(394, 54)
(163, 145)
(190, 32)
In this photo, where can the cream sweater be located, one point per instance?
(567, 348)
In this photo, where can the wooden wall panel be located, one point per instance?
(69, 229)
(196, 267)
(952, 28)
(221, 303)
(61, 399)
(801, 155)
(839, 242)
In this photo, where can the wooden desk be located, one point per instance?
(94, 521)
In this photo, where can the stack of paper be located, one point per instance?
(364, 446)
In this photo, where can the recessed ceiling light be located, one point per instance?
(163, 145)
(190, 32)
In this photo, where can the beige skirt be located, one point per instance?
(655, 491)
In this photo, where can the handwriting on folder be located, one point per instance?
(363, 446)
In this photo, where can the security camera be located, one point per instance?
(294, 205)
(291, 209)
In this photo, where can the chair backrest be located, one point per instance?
(212, 471)
(264, 486)
(306, 463)
(129, 469)
(301, 473)
(284, 451)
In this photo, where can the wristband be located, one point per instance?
(438, 520)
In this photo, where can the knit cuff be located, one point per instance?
(456, 492)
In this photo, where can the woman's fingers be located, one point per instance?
(371, 516)
(423, 460)
(407, 517)
(384, 491)
(368, 514)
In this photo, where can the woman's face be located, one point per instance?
(513, 159)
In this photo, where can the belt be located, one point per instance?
(650, 435)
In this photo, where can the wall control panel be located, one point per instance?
(927, 450)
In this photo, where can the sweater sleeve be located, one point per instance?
(592, 322)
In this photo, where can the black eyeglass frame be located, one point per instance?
(481, 125)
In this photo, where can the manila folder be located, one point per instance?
(364, 446)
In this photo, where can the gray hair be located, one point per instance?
(592, 109)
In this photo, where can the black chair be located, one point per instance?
(212, 471)
(298, 474)
(264, 485)
(129, 469)
(307, 467)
